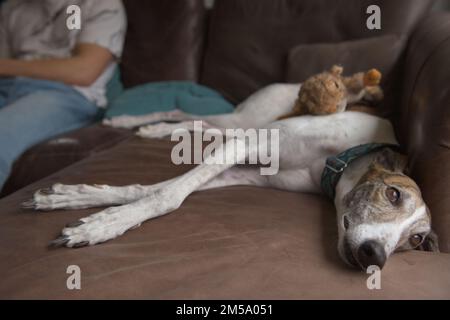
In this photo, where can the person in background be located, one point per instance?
(52, 79)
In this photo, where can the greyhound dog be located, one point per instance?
(379, 209)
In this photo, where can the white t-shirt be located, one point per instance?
(37, 29)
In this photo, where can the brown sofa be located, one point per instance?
(244, 242)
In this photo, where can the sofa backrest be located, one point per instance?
(164, 40)
(249, 40)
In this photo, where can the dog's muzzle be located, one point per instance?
(370, 253)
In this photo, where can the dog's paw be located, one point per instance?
(127, 122)
(159, 130)
(80, 196)
(97, 228)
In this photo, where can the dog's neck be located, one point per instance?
(352, 175)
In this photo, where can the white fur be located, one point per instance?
(388, 233)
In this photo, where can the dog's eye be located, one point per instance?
(392, 194)
(415, 240)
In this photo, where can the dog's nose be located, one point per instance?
(370, 253)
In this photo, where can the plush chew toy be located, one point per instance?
(329, 92)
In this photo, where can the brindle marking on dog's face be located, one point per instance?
(372, 211)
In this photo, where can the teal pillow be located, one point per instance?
(165, 96)
(114, 87)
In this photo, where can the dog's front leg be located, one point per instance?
(82, 196)
(113, 222)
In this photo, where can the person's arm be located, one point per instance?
(82, 68)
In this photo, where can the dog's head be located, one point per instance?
(382, 214)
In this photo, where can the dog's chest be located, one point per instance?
(306, 141)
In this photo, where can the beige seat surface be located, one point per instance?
(236, 242)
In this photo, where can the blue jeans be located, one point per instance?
(32, 111)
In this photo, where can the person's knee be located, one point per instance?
(57, 109)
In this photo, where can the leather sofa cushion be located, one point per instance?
(249, 40)
(382, 52)
(60, 152)
(164, 41)
(235, 242)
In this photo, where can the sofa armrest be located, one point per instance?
(424, 127)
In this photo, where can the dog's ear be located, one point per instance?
(430, 243)
(392, 161)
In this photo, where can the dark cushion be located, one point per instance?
(382, 52)
(164, 41)
(249, 40)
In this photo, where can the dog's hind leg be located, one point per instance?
(114, 221)
(82, 196)
(128, 122)
(259, 109)
(226, 120)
